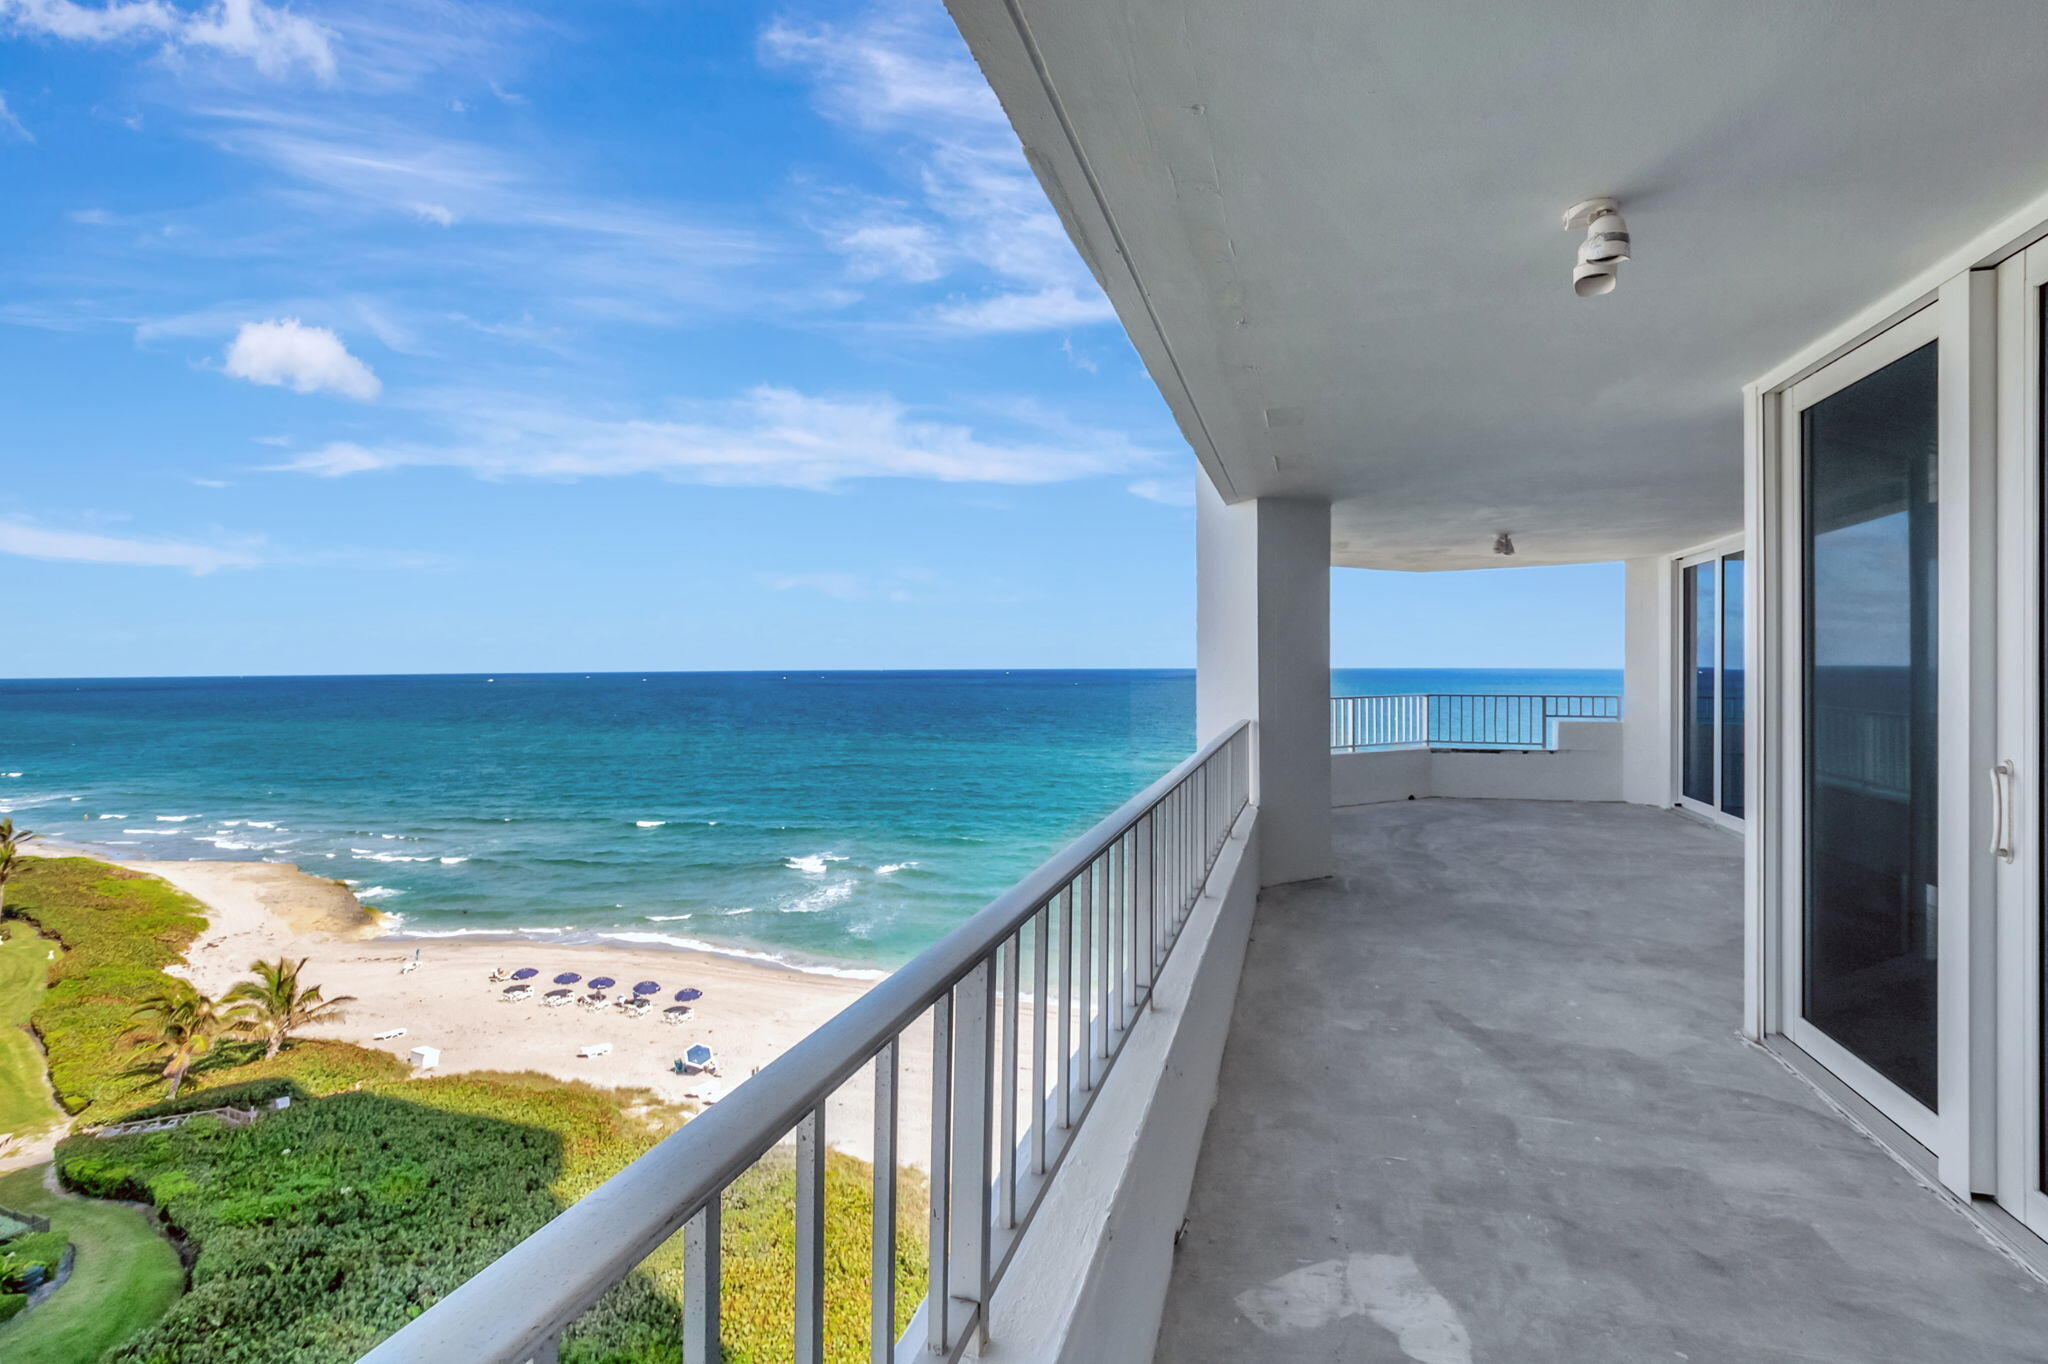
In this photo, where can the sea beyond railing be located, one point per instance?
(1459, 720)
(1083, 939)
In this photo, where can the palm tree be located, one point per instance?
(180, 1026)
(10, 854)
(276, 1007)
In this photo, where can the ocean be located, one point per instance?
(835, 822)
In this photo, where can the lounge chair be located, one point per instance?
(555, 999)
(517, 993)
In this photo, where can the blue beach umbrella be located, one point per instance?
(687, 995)
(567, 978)
(647, 987)
(698, 1055)
(525, 973)
(602, 982)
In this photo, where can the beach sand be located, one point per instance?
(749, 1014)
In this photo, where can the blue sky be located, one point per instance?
(417, 335)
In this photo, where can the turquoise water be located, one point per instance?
(831, 820)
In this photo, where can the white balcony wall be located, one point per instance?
(1649, 687)
(1586, 764)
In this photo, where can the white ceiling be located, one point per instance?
(1332, 229)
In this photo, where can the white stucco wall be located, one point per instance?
(1649, 686)
(1262, 652)
(1088, 1283)
(1585, 765)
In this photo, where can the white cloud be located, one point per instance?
(306, 359)
(273, 40)
(91, 217)
(1166, 492)
(9, 123)
(768, 437)
(906, 78)
(37, 542)
(211, 483)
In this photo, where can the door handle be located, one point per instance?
(2001, 809)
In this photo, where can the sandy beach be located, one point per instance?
(749, 1014)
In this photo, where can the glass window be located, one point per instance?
(1698, 776)
(1870, 925)
(1731, 685)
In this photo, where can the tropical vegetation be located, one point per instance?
(11, 855)
(322, 1227)
(274, 1005)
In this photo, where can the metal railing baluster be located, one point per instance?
(938, 1239)
(973, 1067)
(1041, 1004)
(1008, 1148)
(701, 1255)
(882, 1224)
(1065, 1095)
(810, 1238)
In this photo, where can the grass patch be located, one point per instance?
(24, 1097)
(124, 1278)
(119, 930)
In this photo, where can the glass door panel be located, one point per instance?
(1869, 959)
(1697, 779)
(1731, 685)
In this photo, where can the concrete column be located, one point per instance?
(1649, 687)
(1262, 652)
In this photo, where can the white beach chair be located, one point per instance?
(594, 1049)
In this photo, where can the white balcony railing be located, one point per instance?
(1092, 927)
(1458, 720)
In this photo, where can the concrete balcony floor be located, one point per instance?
(1484, 1100)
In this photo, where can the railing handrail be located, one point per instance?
(527, 1296)
(1481, 695)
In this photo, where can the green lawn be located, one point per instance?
(124, 1278)
(25, 1106)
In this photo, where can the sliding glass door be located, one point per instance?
(1863, 963)
(1710, 678)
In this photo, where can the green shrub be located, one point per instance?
(323, 1228)
(119, 929)
(11, 1303)
(26, 1252)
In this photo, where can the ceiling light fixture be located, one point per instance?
(1503, 543)
(1606, 245)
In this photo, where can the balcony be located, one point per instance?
(1483, 1098)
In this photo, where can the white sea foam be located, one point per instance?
(742, 954)
(123, 842)
(891, 868)
(174, 819)
(378, 893)
(369, 856)
(649, 823)
(155, 833)
(824, 897)
(743, 909)
(228, 823)
(445, 861)
(263, 824)
(9, 774)
(110, 816)
(814, 864)
(668, 918)
(229, 844)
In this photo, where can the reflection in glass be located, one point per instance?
(1731, 685)
(1698, 777)
(1870, 697)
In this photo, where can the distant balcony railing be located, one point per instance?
(1030, 1003)
(1458, 720)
